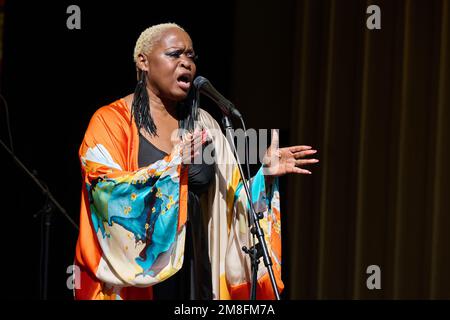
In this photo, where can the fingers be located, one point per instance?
(305, 162)
(296, 149)
(301, 171)
(200, 137)
(302, 154)
(275, 139)
(192, 144)
(188, 152)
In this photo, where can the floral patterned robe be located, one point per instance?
(132, 220)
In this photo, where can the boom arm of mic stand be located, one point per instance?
(256, 229)
(44, 189)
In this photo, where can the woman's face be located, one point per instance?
(170, 65)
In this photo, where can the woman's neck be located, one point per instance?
(161, 106)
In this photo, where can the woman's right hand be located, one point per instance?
(191, 145)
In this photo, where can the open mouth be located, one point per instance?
(184, 82)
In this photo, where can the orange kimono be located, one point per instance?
(133, 220)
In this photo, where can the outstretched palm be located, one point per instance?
(280, 161)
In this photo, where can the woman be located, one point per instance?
(153, 226)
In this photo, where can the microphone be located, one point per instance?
(204, 86)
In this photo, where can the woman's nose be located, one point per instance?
(186, 63)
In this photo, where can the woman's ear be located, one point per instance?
(142, 62)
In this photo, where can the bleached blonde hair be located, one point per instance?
(150, 36)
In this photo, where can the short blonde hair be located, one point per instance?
(150, 36)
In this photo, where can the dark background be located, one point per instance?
(54, 79)
(374, 103)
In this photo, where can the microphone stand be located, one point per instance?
(46, 215)
(260, 249)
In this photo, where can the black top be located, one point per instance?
(193, 281)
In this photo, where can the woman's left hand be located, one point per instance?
(280, 161)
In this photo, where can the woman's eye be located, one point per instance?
(192, 56)
(174, 54)
(178, 53)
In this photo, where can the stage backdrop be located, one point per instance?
(376, 104)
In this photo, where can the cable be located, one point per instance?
(11, 146)
(251, 220)
(247, 160)
(247, 140)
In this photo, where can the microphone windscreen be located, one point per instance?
(199, 82)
